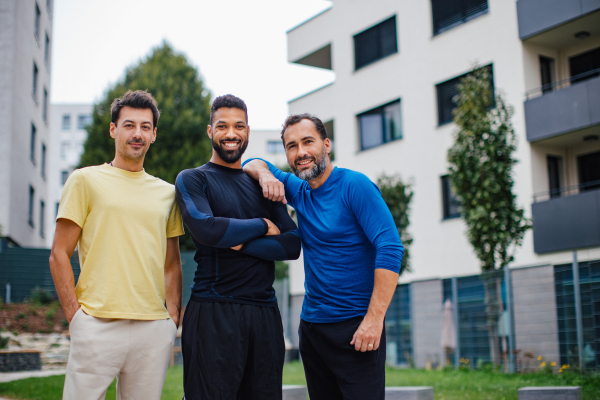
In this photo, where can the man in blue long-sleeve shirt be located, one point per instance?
(352, 258)
(232, 339)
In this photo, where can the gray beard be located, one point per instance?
(314, 172)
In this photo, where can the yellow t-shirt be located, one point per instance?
(125, 219)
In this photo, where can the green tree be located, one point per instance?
(397, 196)
(184, 102)
(481, 162)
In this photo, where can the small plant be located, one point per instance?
(464, 363)
(24, 326)
(15, 332)
(41, 297)
(50, 314)
(19, 316)
(3, 342)
(32, 309)
(64, 323)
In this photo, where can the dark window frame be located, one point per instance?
(83, 120)
(30, 210)
(547, 73)
(64, 175)
(45, 106)
(450, 202)
(37, 23)
(42, 207)
(35, 81)
(375, 36)
(581, 65)
(380, 110)
(587, 171)
(43, 162)
(554, 168)
(47, 51)
(446, 91)
(461, 14)
(68, 118)
(32, 139)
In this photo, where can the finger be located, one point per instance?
(280, 193)
(358, 343)
(376, 344)
(353, 339)
(284, 201)
(265, 191)
(364, 346)
(270, 197)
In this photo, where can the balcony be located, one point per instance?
(539, 16)
(310, 42)
(563, 107)
(568, 222)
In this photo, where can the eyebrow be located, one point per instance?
(238, 122)
(133, 122)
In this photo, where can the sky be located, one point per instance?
(239, 47)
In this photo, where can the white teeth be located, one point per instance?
(230, 144)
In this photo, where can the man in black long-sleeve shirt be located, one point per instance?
(232, 338)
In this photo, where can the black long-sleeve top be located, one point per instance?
(222, 208)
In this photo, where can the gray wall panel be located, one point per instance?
(567, 223)
(426, 301)
(536, 16)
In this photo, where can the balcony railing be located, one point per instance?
(565, 191)
(558, 85)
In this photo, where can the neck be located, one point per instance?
(215, 159)
(320, 180)
(128, 165)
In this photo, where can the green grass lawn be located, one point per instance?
(448, 385)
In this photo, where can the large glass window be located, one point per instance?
(42, 206)
(43, 166)
(275, 147)
(547, 73)
(398, 327)
(380, 125)
(47, 51)
(36, 26)
(35, 80)
(554, 175)
(585, 66)
(589, 284)
(450, 13)
(450, 199)
(375, 43)
(30, 209)
(45, 106)
(446, 91)
(66, 122)
(83, 120)
(64, 175)
(589, 171)
(32, 144)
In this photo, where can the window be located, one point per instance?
(547, 73)
(589, 286)
(589, 171)
(42, 205)
(31, 199)
(56, 211)
(450, 13)
(451, 200)
(554, 175)
(66, 122)
(275, 147)
(43, 166)
(64, 175)
(64, 148)
(35, 79)
(585, 66)
(45, 106)
(32, 144)
(49, 6)
(380, 125)
(36, 26)
(83, 120)
(79, 148)
(445, 96)
(375, 43)
(398, 327)
(47, 51)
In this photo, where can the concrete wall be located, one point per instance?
(536, 325)
(19, 49)
(426, 313)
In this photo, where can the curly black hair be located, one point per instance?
(227, 101)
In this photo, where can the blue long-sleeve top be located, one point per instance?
(347, 232)
(223, 208)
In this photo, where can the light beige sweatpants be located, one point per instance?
(135, 352)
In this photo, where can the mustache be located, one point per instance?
(141, 141)
(297, 160)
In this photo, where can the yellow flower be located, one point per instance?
(539, 358)
(560, 370)
(462, 360)
(553, 364)
(543, 364)
(467, 361)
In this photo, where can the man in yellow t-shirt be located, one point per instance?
(124, 313)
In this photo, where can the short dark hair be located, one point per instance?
(294, 119)
(227, 101)
(139, 99)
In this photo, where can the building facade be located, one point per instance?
(396, 68)
(25, 60)
(67, 136)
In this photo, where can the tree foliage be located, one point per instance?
(184, 102)
(397, 196)
(481, 162)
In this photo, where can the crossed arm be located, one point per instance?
(368, 335)
(65, 240)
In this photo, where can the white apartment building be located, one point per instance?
(396, 65)
(266, 144)
(25, 59)
(67, 136)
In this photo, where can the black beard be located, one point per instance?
(229, 156)
(316, 171)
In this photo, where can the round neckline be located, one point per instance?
(122, 172)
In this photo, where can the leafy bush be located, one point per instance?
(41, 297)
(3, 342)
(50, 314)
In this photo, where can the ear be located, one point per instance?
(327, 145)
(248, 133)
(154, 135)
(209, 132)
(112, 128)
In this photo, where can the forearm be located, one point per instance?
(224, 232)
(173, 289)
(255, 168)
(383, 291)
(282, 247)
(64, 281)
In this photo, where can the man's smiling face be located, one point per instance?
(229, 134)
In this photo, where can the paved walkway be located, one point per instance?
(14, 376)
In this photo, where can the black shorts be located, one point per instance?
(334, 369)
(232, 351)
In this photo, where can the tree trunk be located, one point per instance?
(501, 312)
(492, 316)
